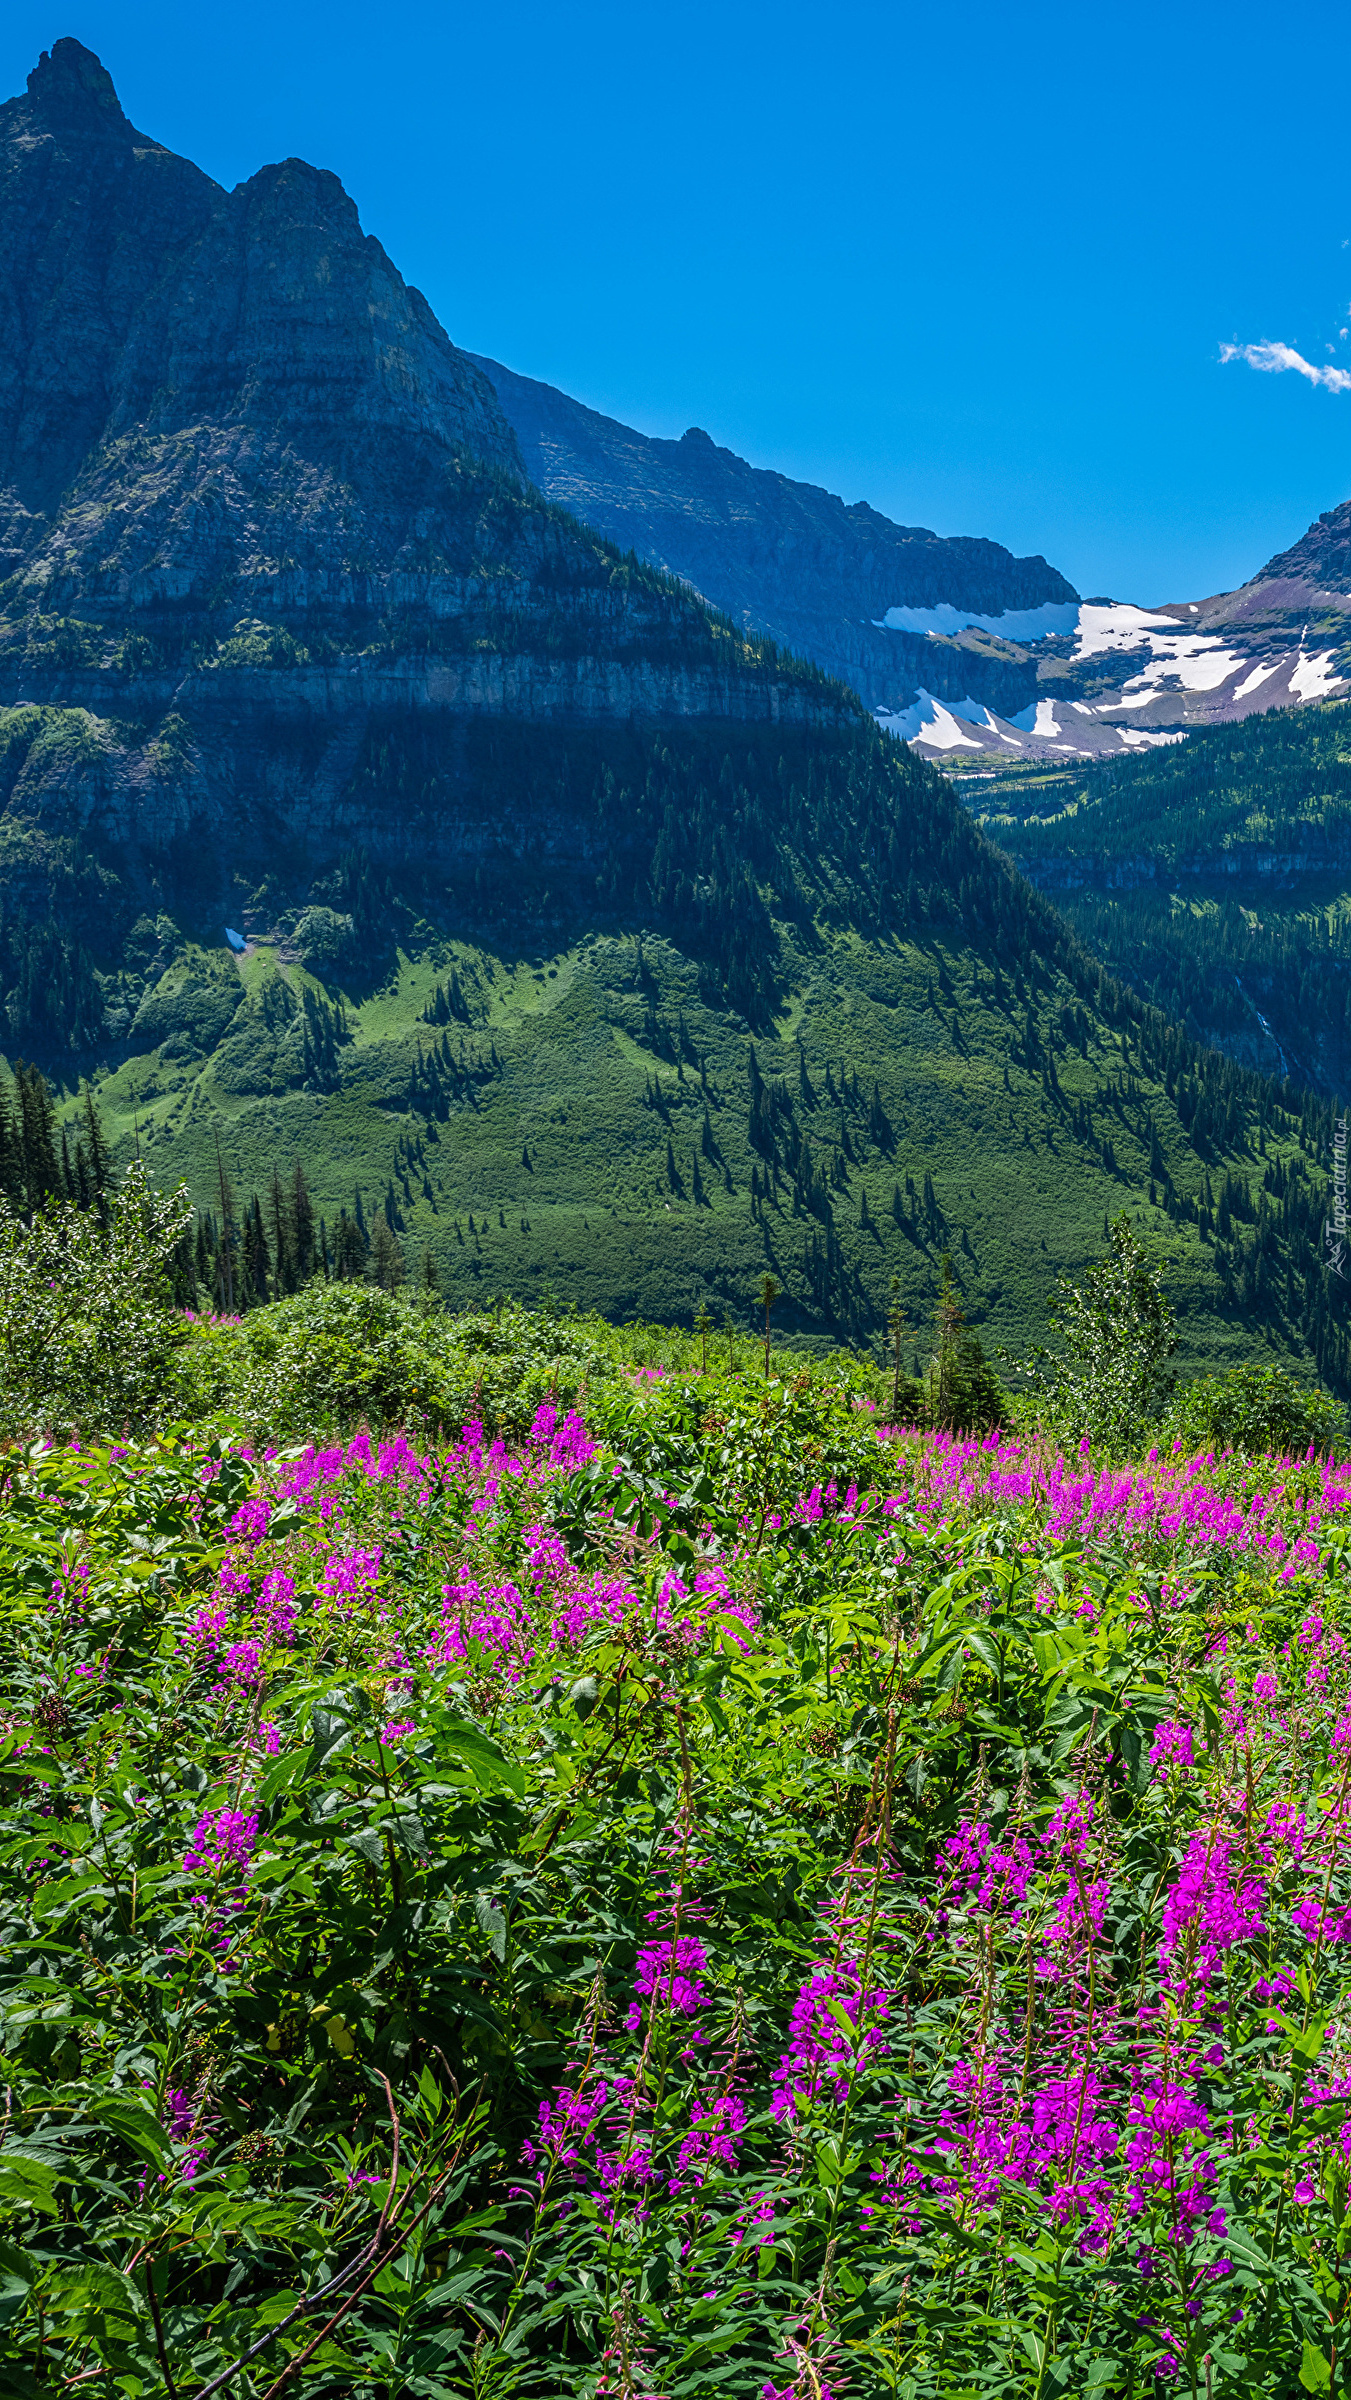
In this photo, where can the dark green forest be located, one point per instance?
(1214, 877)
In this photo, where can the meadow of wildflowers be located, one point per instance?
(701, 1894)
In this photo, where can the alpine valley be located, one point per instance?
(588, 925)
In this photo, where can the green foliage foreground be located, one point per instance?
(708, 1898)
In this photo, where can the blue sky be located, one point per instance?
(974, 265)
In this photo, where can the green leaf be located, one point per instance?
(282, 1773)
(19, 2272)
(491, 1769)
(494, 1924)
(410, 1835)
(138, 2126)
(368, 1844)
(30, 2182)
(981, 1647)
(1101, 2373)
(1315, 2374)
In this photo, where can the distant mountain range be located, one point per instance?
(958, 647)
(840, 585)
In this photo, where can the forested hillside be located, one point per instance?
(1215, 878)
(679, 1014)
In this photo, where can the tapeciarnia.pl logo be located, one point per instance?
(1336, 1225)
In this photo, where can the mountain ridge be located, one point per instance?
(939, 635)
(783, 558)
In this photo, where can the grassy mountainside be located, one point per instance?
(717, 1001)
(1215, 878)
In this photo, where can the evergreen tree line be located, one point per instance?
(38, 1163)
(275, 1244)
(234, 1256)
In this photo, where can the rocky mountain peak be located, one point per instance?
(70, 84)
(253, 341)
(1321, 557)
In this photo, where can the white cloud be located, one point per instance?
(1277, 358)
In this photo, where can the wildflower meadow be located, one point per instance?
(691, 1891)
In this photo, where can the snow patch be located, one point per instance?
(1258, 676)
(933, 721)
(1121, 627)
(1014, 624)
(1038, 719)
(1313, 678)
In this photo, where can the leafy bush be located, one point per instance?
(1108, 1380)
(326, 940)
(340, 1355)
(1258, 1410)
(88, 1330)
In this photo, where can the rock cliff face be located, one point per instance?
(234, 443)
(196, 382)
(278, 595)
(1321, 558)
(783, 558)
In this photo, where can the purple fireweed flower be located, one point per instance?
(669, 1971)
(250, 1523)
(1205, 1914)
(226, 1839)
(349, 1578)
(1172, 1751)
(1171, 2169)
(277, 1603)
(822, 2059)
(710, 2143)
(243, 1663)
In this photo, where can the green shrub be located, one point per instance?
(1117, 1331)
(88, 1329)
(338, 1355)
(1256, 1409)
(326, 941)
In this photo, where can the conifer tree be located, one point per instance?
(302, 1225)
(349, 1247)
(257, 1258)
(386, 1262)
(100, 1168)
(769, 1293)
(897, 1327)
(229, 1236)
(37, 1126)
(283, 1245)
(703, 1326)
(11, 1152)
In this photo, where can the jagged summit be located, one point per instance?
(190, 379)
(1321, 557)
(784, 558)
(71, 82)
(234, 442)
